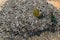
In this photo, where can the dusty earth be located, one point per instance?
(56, 3)
(2, 2)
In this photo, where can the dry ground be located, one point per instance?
(56, 3)
(55, 37)
(2, 2)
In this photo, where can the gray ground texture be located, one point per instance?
(16, 18)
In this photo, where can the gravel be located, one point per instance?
(17, 19)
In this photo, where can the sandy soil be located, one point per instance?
(2, 2)
(46, 37)
(53, 2)
(56, 3)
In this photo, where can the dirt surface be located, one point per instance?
(2, 2)
(56, 3)
(53, 2)
(16, 19)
